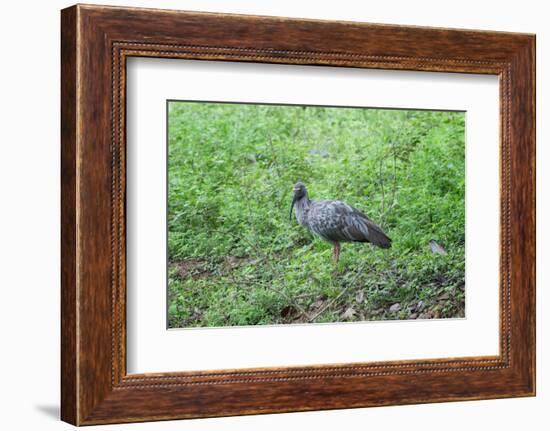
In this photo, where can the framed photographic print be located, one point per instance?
(264, 215)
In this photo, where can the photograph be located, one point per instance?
(290, 214)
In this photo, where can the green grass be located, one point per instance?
(236, 259)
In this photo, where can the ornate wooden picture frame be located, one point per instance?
(96, 41)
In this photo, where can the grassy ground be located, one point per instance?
(236, 259)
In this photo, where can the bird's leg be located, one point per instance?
(336, 252)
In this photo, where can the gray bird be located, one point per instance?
(335, 221)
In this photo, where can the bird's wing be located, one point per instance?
(338, 221)
(325, 219)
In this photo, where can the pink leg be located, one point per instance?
(336, 252)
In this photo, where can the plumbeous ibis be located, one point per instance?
(335, 221)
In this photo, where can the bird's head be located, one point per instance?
(300, 191)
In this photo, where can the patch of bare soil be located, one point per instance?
(194, 267)
(199, 268)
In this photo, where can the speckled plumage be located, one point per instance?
(335, 221)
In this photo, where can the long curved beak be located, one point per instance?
(292, 207)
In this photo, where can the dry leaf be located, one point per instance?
(318, 304)
(437, 248)
(395, 307)
(288, 311)
(349, 314)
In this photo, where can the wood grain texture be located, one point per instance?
(96, 41)
(69, 366)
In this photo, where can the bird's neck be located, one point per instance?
(302, 207)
